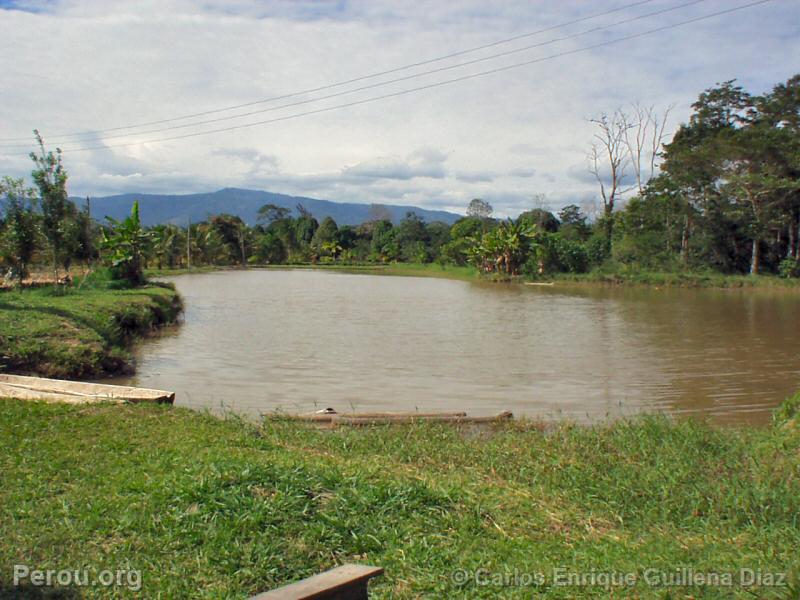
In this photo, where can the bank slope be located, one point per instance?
(79, 333)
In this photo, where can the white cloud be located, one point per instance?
(75, 65)
(423, 162)
(522, 172)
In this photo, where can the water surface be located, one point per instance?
(297, 340)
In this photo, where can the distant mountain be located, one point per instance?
(180, 209)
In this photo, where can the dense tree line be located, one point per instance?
(728, 194)
(726, 197)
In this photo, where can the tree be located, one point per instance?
(412, 237)
(79, 236)
(384, 246)
(648, 231)
(271, 249)
(305, 226)
(753, 174)
(722, 107)
(325, 238)
(781, 109)
(463, 234)
(644, 139)
(127, 243)
(437, 234)
(20, 232)
(609, 159)
(168, 244)
(479, 208)
(269, 213)
(233, 232)
(573, 223)
(543, 219)
(51, 180)
(279, 238)
(728, 195)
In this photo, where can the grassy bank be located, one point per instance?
(601, 276)
(406, 269)
(677, 279)
(79, 332)
(432, 270)
(203, 507)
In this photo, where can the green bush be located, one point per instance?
(789, 267)
(557, 255)
(596, 250)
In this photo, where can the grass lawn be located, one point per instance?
(78, 332)
(211, 508)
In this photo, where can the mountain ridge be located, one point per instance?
(183, 208)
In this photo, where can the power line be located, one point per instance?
(346, 82)
(428, 86)
(396, 80)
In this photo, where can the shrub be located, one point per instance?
(789, 267)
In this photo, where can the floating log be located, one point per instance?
(348, 582)
(539, 283)
(415, 418)
(77, 392)
(328, 415)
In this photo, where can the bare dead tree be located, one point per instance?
(609, 158)
(644, 138)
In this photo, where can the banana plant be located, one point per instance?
(126, 244)
(504, 248)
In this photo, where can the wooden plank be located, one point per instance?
(76, 392)
(395, 415)
(348, 582)
(348, 420)
(328, 417)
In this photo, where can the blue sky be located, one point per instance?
(517, 138)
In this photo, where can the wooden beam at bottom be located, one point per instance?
(348, 582)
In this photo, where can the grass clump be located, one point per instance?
(79, 332)
(211, 508)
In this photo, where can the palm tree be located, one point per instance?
(163, 244)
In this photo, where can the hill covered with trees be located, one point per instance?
(181, 209)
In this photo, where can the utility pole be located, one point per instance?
(88, 231)
(189, 245)
(241, 244)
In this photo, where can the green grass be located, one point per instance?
(79, 332)
(615, 275)
(210, 508)
(467, 273)
(164, 272)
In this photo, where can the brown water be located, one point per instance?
(298, 340)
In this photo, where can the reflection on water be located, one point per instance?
(259, 341)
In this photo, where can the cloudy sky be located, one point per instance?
(92, 67)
